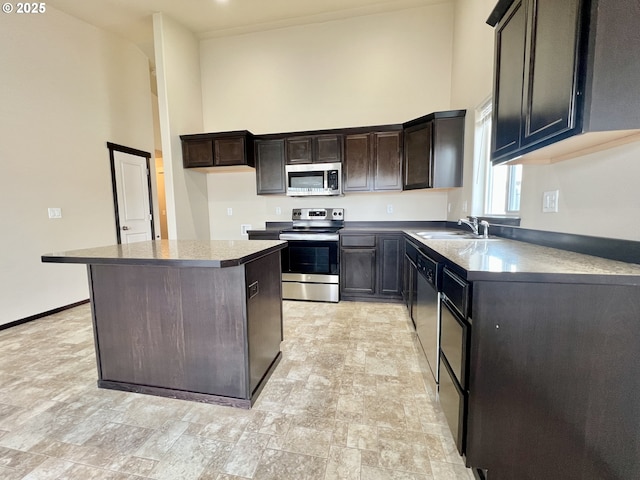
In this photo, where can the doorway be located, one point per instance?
(131, 184)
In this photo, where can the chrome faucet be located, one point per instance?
(473, 224)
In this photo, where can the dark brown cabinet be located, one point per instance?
(270, 178)
(314, 149)
(373, 162)
(554, 381)
(563, 69)
(455, 331)
(417, 156)
(410, 279)
(507, 105)
(434, 151)
(217, 149)
(371, 266)
(536, 85)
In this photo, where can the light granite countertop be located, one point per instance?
(176, 253)
(502, 259)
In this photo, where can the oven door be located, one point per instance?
(310, 270)
(311, 257)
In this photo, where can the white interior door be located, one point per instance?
(132, 192)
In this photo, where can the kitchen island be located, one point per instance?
(195, 320)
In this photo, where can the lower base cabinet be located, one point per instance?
(371, 266)
(554, 381)
(453, 401)
(358, 272)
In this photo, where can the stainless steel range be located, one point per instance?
(310, 263)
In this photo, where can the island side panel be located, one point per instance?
(555, 381)
(215, 330)
(264, 315)
(175, 328)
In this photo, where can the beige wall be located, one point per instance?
(67, 89)
(369, 70)
(599, 194)
(177, 58)
(472, 78)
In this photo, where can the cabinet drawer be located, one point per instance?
(453, 401)
(457, 291)
(358, 241)
(454, 334)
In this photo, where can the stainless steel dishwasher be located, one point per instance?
(427, 316)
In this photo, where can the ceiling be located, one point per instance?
(132, 19)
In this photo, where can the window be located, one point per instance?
(503, 182)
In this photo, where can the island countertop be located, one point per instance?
(175, 253)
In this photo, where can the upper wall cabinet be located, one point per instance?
(270, 178)
(224, 149)
(567, 79)
(434, 150)
(314, 149)
(372, 161)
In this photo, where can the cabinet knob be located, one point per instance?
(124, 227)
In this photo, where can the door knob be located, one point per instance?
(124, 227)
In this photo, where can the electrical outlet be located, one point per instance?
(389, 208)
(244, 228)
(229, 211)
(278, 211)
(449, 208)
(55, 212)
(464, 207)
(550, 201)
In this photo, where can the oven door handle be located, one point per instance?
(322, 237)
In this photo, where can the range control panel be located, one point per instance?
(318, 214)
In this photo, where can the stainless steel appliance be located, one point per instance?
(310, 263)
(427, 311)
(309, 179)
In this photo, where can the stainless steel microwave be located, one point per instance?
(314, 179)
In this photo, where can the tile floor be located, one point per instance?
(347, 401)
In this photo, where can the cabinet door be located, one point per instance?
(357, 163)
(390, 265)
(328, 149)
(358, 271)
(197, 153)
(270, 178)
(448, 152)
(229, 151)
(507, 93)
(550, 69)
(299, 150)
(417, 156)
(387, 167)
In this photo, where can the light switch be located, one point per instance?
(389, 208)
(229, 211)
(550, 201)
(244, 228)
